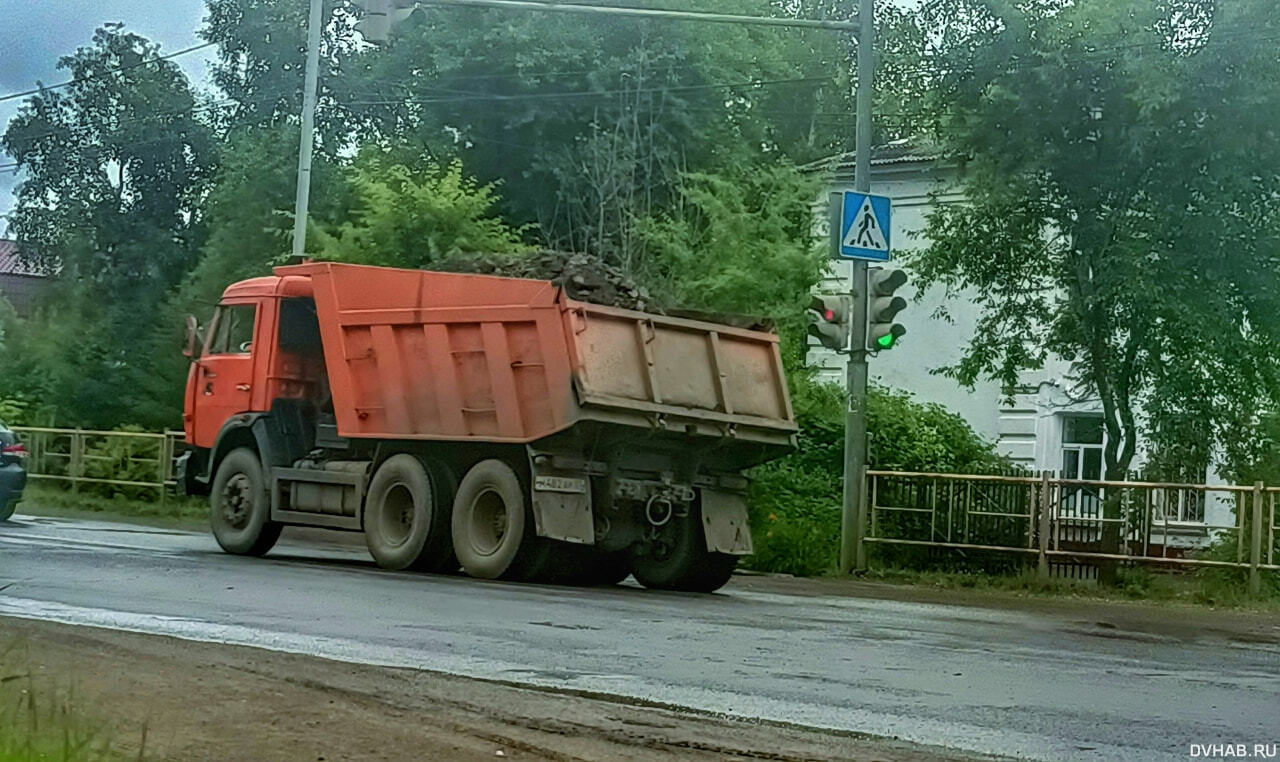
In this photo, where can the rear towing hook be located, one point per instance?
(658, 510)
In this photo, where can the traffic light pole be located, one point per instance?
(853, 525)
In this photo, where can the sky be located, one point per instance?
(36, 33)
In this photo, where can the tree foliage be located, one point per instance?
(796, 501)
(740, 242)
(115, 167)
(415, 214)
(590, 122)
(1119, 176)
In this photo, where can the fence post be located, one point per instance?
(860, 524)
(77, 455)
(1046, 505)
(162, 466)
(1255, 543)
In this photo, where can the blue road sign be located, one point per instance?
(864, 227)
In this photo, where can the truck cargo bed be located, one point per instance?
(425, 355)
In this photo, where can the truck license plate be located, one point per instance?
(559, 484)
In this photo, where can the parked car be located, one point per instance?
(13, 471)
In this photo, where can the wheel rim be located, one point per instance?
(488, 522)
(236, 503)
(395, 521)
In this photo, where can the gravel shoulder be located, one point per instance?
(206, 701)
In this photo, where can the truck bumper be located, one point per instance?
(188, 473)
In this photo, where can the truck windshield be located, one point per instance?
(233, 329)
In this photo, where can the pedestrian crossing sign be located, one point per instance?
(864, 227)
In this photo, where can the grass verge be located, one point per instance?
(174, 511)
(1214, 588)
(42, 722)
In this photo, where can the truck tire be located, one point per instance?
(7, 508)
(406, 516)
(239, 506)
(493, 532)
(681, 561)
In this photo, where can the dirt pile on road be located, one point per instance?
(585, 277)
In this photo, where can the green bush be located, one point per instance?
(796, 501)
(13, 411)
(130, 459)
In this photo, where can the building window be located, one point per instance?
(1082, 438)
(1082, 447)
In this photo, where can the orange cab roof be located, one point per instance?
(270, 285)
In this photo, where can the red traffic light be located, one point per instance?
(829, 315)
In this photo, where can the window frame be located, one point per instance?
(215, 326)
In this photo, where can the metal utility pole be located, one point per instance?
(308, 129)
(853, 521)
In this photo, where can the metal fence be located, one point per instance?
(112, 459)
(1073, 521)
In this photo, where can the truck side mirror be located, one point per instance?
(194, 341)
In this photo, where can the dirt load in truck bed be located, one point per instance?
(584, 277)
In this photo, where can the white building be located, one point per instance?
(1042, 429)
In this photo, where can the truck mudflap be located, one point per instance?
(725, 524)
(562, 507)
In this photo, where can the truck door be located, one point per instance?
(223, 377)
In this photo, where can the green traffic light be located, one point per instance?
(886, 341)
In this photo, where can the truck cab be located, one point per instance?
(262, 346)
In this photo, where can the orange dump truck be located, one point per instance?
(492, 424)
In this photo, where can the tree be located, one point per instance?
(1119, 182)
(115, 168)
(411, 212)
(261, 60)
(740, 241)
(589, 122)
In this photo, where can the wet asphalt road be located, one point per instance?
(1010, 683)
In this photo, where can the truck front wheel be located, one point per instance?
(678, 559)
(406, 517)
(493, 533)
(240, 508)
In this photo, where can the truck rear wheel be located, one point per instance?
(679, 560)
(406, 516)
(493, 534)
(239, 506)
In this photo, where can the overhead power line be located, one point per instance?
(461, 97)
(651, 13)
(78, 80)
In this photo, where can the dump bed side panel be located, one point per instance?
(692, 370)
(423, 355)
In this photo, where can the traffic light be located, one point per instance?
(380, 16)
(829, 316)
(883, 307)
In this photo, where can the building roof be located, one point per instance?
(904, 151)
(12, 264)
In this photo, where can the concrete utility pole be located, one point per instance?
(308, 129)
(853, 521)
